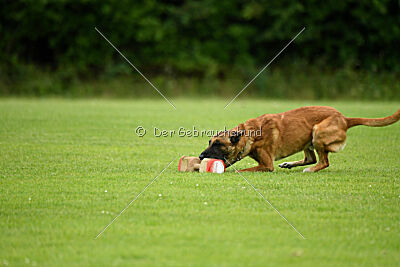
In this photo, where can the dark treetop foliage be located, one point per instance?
(199, 36)
(197, 39)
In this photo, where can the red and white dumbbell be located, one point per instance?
(190, 164)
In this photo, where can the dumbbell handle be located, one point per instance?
(196, 166)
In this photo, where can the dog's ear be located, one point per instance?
(235, 136)
(240, 127)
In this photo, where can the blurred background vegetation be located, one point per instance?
(350, 49)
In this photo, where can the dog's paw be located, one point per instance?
(308, 170)
(286, 165)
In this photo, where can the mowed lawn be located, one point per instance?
(68, 167)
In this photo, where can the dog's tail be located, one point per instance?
(379, 122)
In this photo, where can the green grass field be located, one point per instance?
(68, 167)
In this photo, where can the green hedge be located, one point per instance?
(199, 36)
(211, 38)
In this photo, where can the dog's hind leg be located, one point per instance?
(309, 158)
(323, 162)
(328, 136)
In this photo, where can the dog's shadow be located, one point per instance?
(299, 170)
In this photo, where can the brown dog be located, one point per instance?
(275, 136)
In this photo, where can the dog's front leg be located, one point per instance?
(265, 163)
(259, 168)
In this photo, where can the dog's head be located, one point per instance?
(229, 146)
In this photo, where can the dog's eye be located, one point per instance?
(217, 143)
